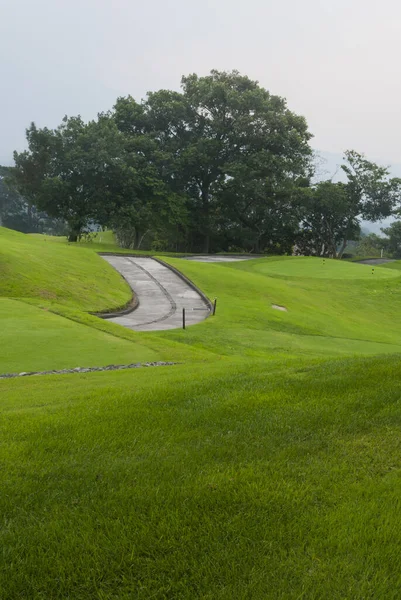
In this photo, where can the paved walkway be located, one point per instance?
(214, 258)
(161, 293)
(375, 261)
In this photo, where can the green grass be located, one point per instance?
(39, 340)
(104, 241)
(325, 317)
(40, 278)
(219, 482)
(62, 273)
(265, 466)
(339, 314)
(310, 267)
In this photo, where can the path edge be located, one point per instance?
(128, 308)
(134, 302)
(191, 284)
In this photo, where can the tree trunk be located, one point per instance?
(206, 244)
(75, 232)
(343, 247)
(205, 203)
(140, 238)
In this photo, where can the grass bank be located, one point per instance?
(266, 465)
(222, 481)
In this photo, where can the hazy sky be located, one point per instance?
(336, 61)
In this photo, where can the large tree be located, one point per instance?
(220, 143)
(10, 199)
(332, 212)
(93, 172)
(77, 172)
(52, 172)
(326, 220)
(392, 243)
(142, 204)
(264, 199)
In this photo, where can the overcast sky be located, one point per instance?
(336, 61)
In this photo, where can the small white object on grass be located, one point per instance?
(278, 307)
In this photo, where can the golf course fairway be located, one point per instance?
(264, 464)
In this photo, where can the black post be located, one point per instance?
(183, 318)
(214, 306)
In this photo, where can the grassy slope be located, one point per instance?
(36, 268)
(265, 474)
(334, 309)
(67, 280)
(215, 482)
(37, 340)
(354, 314)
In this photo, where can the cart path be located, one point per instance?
(375, 261)
(162, 295)
(221, 258)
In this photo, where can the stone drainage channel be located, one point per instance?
(88, 369)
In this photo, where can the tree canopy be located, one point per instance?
(221, 164)
(230, 150)
(332, 212)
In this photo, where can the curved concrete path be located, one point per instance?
(162, 295)
(375, 261)
(217, 258)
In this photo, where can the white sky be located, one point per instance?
(336, 61)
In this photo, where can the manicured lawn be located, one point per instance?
(324, 317)
(267, 465)
(38, 340)
(310, 267)
(223, 481)
(32, 267)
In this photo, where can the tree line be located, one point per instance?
(222, 165)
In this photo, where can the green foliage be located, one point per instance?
(372, 195)
(371, 245)
(327, 221)
(331, 212)
(77, 172)
(393, 243)
(231, 149)
(222, 163)
(10, 200)
(16, 213)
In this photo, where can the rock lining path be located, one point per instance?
(87, 369)
(162, 295)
